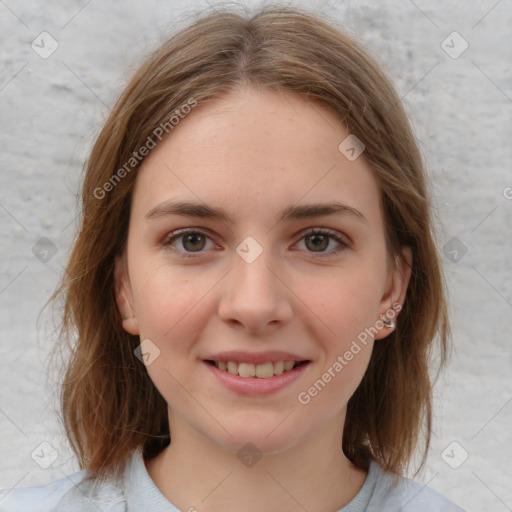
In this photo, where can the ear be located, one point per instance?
(394, 296)
(124, 296)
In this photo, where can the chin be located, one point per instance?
(263, 440)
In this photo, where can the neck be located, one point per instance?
(195, 474)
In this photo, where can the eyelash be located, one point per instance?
(167, 242)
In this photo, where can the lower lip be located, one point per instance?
(255, 386)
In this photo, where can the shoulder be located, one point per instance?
(392, 493)
(71, 493)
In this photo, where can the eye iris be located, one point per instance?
(193, 242)
(319, 242)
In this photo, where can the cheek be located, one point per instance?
(348, 306)
(169, 306)
(347, 302)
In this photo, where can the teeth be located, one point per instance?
(261, 371)
(278, 367)
(264, 371)
(288, 365)
(246, 370)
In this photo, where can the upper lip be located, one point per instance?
(255, 357)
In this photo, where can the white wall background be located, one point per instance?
(52, 108)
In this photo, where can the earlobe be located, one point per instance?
(131, 325)
(124, 297)
(394, 298)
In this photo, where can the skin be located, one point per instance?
(253, 153)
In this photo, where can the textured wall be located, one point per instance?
(460, 101)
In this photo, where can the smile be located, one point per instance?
(251, 379)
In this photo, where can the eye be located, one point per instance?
(318, 240)
(188, 241)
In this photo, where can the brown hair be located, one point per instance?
(109, 404)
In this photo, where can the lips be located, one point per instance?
(256, 373)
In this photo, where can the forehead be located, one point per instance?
(256, 151)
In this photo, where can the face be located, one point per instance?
(283, 258)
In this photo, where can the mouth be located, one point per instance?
(257, 371)
(256, 379)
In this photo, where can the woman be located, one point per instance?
(254, 287)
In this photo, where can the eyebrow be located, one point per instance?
(292, 212)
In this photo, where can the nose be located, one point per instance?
(255, 297)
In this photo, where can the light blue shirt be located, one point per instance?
(136, 492)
